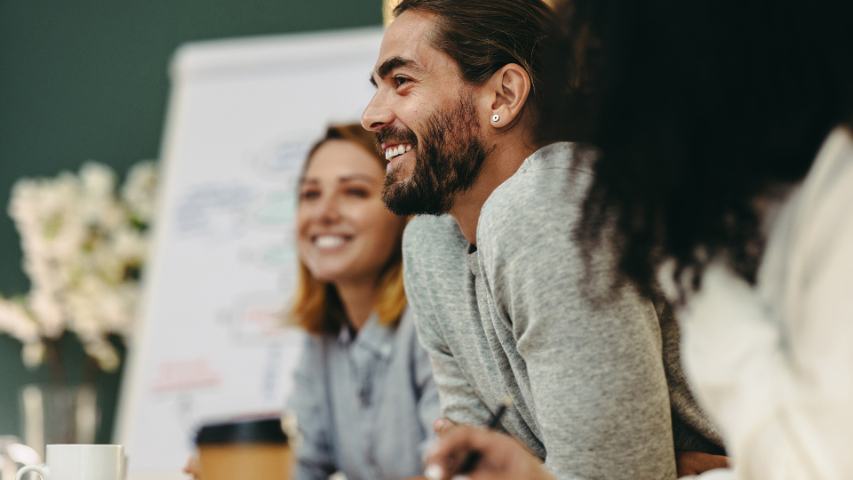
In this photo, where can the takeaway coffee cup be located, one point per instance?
(80, 462)
(254, 449)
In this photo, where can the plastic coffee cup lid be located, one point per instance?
(264, 430)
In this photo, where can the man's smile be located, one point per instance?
(394, 154)
(392, 150)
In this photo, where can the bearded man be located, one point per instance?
(466, 111)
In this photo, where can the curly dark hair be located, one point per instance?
(701, 108)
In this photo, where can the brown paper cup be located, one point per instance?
(246, 450)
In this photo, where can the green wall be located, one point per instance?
(87, 80)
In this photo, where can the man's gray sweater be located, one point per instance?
(520, 317)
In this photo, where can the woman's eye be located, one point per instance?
(308, 194)
(358, 192)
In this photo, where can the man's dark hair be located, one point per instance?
(484, 35)
(702, 108)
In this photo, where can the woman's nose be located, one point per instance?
(329, 210)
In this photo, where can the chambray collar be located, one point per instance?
(373, 337)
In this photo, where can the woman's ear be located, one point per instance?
(508, 90)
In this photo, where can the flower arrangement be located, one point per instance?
(84, 243)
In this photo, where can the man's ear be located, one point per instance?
(508, 90)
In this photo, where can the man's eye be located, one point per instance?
(399, 81)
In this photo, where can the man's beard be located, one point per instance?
(447, 162)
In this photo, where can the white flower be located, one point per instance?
(46, 213)
(46, 310)
(98, 180)
(84, 305)
(98, 207)
(115, 312)
(33, 354)
(15, 321)
(140, 190)
(104, 354)
(105, 265)
(130, 245)
(83, 249)
(50, 274)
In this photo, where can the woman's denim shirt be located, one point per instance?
(364, 404)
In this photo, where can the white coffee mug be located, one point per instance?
(80, 462)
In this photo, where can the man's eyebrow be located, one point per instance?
(389, 65)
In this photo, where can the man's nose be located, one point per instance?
(376, 115)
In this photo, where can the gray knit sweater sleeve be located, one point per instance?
(691, 427)
(425, 242)
(592, 356)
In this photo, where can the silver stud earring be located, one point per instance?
(496, 118)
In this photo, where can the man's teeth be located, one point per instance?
(328, 241)
(396, 150)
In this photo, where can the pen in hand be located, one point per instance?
(470, 462)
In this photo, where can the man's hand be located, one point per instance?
(502, 457)
(442, 425)
(694, 463)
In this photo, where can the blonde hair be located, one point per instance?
(316, 306)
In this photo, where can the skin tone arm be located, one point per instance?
(505, 458)
(694, 463)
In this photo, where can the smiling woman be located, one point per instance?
(363, 396)
(345, 235)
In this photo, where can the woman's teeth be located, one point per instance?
(397, 150)
(329, 241)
